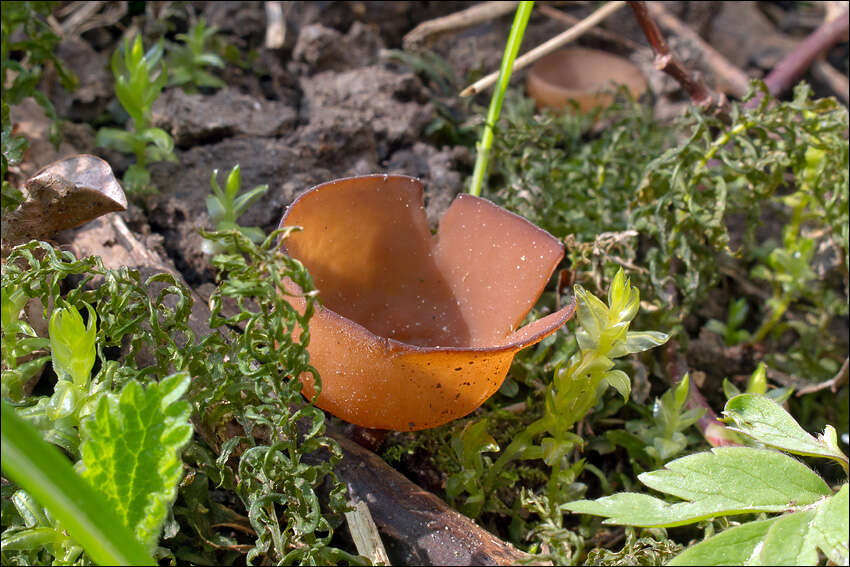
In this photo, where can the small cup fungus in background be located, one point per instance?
(415, 329)
(582, 75)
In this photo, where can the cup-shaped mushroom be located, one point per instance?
(415, 329)
(584, 75)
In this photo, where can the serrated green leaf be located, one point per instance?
(787, 541)
(734, 546)
(830, 529)
(130, 451)
(768, 423)
(740, 478)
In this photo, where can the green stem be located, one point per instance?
(523, 12)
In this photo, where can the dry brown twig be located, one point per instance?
(570, 20)
(548, 47)
(474, 15)
(665, 60)
(736, 82)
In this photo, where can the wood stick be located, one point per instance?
(474, 15)
(571, 20)
(665, 60)
(548, 47)
(365, 534)
(417, 527)
(736, 81)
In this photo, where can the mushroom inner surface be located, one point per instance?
(374, 261)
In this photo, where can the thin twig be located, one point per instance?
(702, 96)
(571, 20)
(474, 15)
(833, 383)
(545, 49)
(736, 81)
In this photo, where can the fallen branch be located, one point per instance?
(701, 95)
(474, 15)
(735, 80)
(570, 20)
(417, 527)
(548, 47)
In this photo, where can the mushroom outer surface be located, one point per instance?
(415, 329)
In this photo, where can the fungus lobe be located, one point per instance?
(415, 329)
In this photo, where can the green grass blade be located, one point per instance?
(46, 474)
(523, 12)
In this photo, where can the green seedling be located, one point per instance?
(730, 330)
(225, 207)
(731, 481)
(603, 336)
(139, 79)
(188, 62)
(757, 384)
(125, 427)
(653, 444)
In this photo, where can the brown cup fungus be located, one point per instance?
(415, 329)
(582, 75)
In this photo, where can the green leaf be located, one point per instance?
(639, 341)
(830, 529)
(740, 477)
(72, 343)
(768, 423)
(734, 546)
(130, 451)
(787, 541)
(115, 139)
(159, 137)
(620, 381)
(46, 474)
(726, 480)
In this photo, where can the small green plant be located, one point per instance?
(603, 336)
(120, 419)
(657, 439)
(139, 79)
(188, 62)
(27, 45)
(225, 207)
(730, 330)
(731, 481)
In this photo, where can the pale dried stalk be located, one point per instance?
(471, 16)
(546, 48)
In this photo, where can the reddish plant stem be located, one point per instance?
(665, 60)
